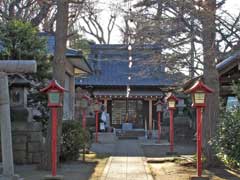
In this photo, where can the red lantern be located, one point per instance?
(171, 102)
(199, 91)
(84, 102)
(96, 108)
(54, 91)
(159, 106)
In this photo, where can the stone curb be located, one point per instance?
(106, 168)
(50, 177)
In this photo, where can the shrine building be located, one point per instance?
(147, 81)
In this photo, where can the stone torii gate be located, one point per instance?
(9, 66)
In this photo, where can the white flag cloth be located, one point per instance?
(104, 117)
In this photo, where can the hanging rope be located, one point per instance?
(129, 45)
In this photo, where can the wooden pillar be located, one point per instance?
(105, 104)
(150, 120)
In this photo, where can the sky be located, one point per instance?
(232, 6)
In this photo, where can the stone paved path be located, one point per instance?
(127, 163)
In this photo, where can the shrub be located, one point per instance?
(227, 140)
(75, 138)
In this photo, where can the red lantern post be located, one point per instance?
(84, 102)
(54, 91)
(171, 101)
(159, 105)
(96, 108)
(199, 91)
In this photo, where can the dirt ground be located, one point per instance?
(90, 170)
(181, 168)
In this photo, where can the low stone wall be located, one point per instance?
(27, 142)
(106, 137)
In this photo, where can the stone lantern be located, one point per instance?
(18, 98)
(18, 91)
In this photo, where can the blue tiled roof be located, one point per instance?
(111, 69)
(50, 38)
(228, 61)
(51, 46)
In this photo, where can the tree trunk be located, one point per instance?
(58, 73)
(211, 112)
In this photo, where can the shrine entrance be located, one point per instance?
(128, 111)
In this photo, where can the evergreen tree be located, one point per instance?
(21, 41)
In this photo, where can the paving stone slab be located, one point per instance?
(127, 163)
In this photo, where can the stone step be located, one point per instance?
(127, 137)
(131, 133)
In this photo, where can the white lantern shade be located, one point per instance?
(83, 103)
(159, 107)
(171, 104)
(54, 97)
(96, 107)
(199, 97)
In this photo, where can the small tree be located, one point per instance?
(75, 138)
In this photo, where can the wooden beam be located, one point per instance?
(226, 90)
(230, 78)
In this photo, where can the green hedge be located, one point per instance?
(74, 139)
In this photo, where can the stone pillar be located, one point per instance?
(150, 120)
(6, 135)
